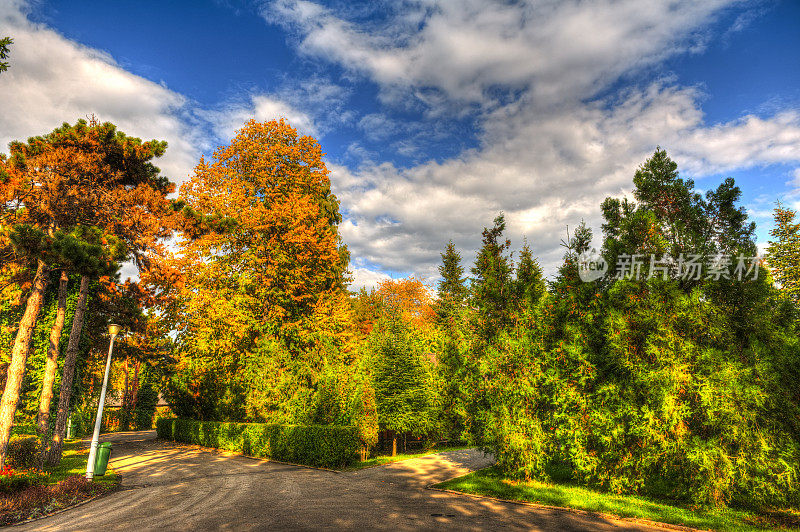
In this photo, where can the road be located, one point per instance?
(179, 487)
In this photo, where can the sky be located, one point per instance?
(435, 115)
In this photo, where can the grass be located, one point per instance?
(73, 462)
(490, 482)
(388, 459)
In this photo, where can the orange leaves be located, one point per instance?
(271, 269)
(412, 296)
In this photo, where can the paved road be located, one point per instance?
(177, 487)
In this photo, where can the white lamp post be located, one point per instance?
(113, 330)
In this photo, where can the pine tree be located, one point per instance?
(492, 284)
(404, 389)
(783, 253)
(452, 290)
(530, 284)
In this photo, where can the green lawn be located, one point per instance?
(73, 462)
(490, 482)
(388, 459)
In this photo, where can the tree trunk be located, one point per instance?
(126, 399)
(52, 358)
(19, 355)
(53, 454)
(135, 392)
(394, 443)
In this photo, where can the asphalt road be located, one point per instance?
(177, 487)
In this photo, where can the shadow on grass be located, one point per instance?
(490, 482)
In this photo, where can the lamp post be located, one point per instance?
(113, 330)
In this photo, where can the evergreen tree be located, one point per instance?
(451, 290)
(783, 253)
(5, 42)
(404, 389)
(492, 283)
(530, 284)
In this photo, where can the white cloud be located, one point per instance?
(467, 48)
(366, 278)
(52, 80)
(261, 107)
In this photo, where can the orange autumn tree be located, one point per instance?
(262, 298)
(412, 297)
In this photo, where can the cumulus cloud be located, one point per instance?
(366, 278)
(468, 48)
(549, 148)
(52, 79)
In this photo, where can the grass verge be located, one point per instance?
(66, 486)
(388, 459)
(490, 482)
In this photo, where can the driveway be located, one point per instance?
(179, 487)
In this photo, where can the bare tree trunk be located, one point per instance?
(53, 453)
(19, 355)
(52, 358)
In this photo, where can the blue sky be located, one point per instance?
(436, 115)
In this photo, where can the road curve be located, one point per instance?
(178, 487)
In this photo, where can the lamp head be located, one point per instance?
(114, 329)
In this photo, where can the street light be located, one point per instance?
(113, 330)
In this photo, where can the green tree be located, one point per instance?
(492, 284)
(405, 391)
(530, 283)
(783, 253)
(5, 42)
(451, 290)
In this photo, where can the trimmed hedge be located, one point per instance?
(315, 445)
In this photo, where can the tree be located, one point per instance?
(5, 42)
(81, 197)
(783, 253)
(42, 421)
(530, 284)
(411, 296)
(492, 286)
(404, 389)
(451, 290)
(264, 287)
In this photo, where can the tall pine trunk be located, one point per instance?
(53, 453)
(19, 355)
(51, 365)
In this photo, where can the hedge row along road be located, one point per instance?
(179, 487)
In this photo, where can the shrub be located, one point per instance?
(315, 445)
(22, 451)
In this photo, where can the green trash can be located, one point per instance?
(101, 460)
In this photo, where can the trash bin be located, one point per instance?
(101, 461)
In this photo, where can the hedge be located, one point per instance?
(315, 445)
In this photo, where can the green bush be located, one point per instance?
(22, 451)
(315, 445)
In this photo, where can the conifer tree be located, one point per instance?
(452, 290)
(404, 389)
(5, 42)
(530, 284)
(783, 253)
(86, 180)
(492, 283)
